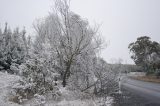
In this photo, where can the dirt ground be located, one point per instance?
(150, 78)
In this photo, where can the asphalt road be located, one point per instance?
(149, 91)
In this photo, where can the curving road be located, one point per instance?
(149, 91)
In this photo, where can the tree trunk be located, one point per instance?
(65, 75)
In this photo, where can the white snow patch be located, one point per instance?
(137, 74)
(97, 102)
(6, 83)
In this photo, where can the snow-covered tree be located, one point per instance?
(107, 77)
(144, 52)
(69, 37)
(13, 49)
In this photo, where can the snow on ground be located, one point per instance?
(137, 74)
(81, 103)
(6, 83)
(74, 103)
(68, 97)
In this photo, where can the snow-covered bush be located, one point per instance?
(40, 99)
(22, 90)
(36, 79)
(107, 78)
(93, 78)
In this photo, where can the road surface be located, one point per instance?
(149, 91)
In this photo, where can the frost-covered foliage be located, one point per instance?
(13, 49)
(83, 72)
(94, 78)
(68, 35)
(155, 60)
(61, 61)
(37, 78)
(107, 78)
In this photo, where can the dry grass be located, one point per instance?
(147, 78)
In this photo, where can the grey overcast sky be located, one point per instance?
(122, 21)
